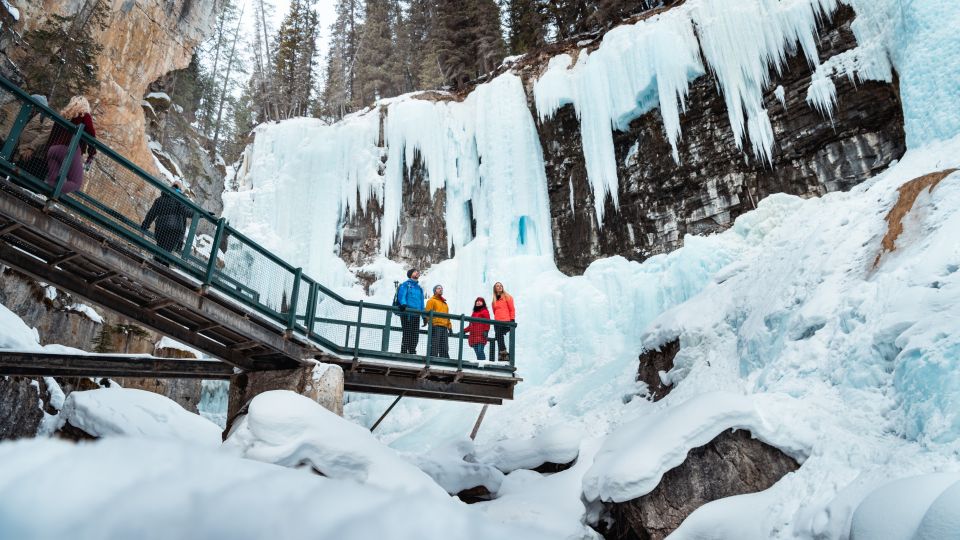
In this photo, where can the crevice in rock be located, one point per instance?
(652, 362)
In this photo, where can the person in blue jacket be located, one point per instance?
(410, 295)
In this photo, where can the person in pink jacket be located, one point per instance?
(503, 310)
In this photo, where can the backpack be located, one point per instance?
(396, 297)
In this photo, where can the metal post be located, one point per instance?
(426, 357)
(14, 136)
(294, 299)
(476, 427)
(71, 150)
(188, 245)
(460, 352)
(513, 346)
(386, 412)
(356, 342)
(385, 339)
(212, 263)
(311, 308)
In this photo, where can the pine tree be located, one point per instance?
(337, 96)
(487, 35)
(263, 91)
(65, 53)
(378, 65)
(295, 59)
(526, 24)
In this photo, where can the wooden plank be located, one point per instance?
(103, 277)
(159, 304)
(460, 391)
(30, 364)
(9, 228)
(68, 256)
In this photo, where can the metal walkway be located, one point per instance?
(217, 290)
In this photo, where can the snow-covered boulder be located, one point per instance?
(448, 466)
(557, 444)
(133, 488)
(126, 412)
(288, 429)
(634, 458)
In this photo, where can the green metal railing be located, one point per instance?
(222, 258)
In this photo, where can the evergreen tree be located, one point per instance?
(467, 40)
(337, 96)
(378, 65)
(487, 35)
(295, 59)
(263, 92)
(526, 24)
(65, 52)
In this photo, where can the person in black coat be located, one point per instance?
(169, 217)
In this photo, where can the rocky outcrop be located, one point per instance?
(421, 237)
(53, 313)
(143, 40)
(661, 201)
(180, 149)
(20, 408)
(652, 363)
(323, 383)
(731, 464)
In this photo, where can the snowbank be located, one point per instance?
(921, 507)
(126, 412)
(455, 468)
(634, 458)
(557, 444)
(551, 502)
(285, 428)
(129, 488)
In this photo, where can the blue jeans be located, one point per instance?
(478, 348)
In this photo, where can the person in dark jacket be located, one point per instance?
(410, 295)
(78, 112)
(169, 217)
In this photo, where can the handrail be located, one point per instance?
(292, 314)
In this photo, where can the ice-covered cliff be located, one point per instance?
(784, 308)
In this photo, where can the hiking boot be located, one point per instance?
(504, 356)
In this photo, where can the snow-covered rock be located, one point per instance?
(125, 412)
(285, 428)
(916, 508)
(134, 488)
(558, 444)
(449, 467)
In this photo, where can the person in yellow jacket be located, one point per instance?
(441, 325)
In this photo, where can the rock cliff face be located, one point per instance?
(421, 237)
(661, 201)
(143, 40)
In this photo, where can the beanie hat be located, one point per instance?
(410, 272)
(435, 287)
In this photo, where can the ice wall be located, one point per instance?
(651, 63)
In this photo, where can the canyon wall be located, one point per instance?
(661, 200)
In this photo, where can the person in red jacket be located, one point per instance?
(503, 310)
(478, 330)
(78, 112)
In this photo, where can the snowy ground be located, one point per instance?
(789, 324)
